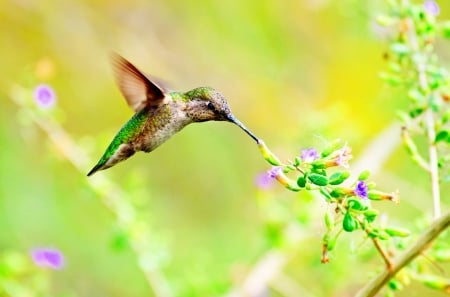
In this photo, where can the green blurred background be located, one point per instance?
(295, 72)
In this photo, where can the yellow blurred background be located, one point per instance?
(295, 72)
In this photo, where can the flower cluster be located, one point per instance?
(325, 171)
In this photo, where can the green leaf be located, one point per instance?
(349, 223)
(442, 135)
(318, 179)
(339, 177)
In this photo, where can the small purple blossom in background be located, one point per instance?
(431, 7)
(44, 96)
(361, 189)
(309, 155)
(264, 181)
(45, 257)
(275, 171)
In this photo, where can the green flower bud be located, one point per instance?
(355, 204)
(377, 195)
(318, 164)
(329, 241)
(297, 161)
(338, 192)
(378, 233)
(371, 215)
(318, 179)
(329, 220)
(292, 186)
(268, 155)
(397, 232)
(434, 281)
(288, 168)
(443, 135)
(332, 147)
(301, 181)
(395, 285)
(339, 177)
(349, 223)
(364, 175)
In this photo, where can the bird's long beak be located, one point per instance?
(240, 125)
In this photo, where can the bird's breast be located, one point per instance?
(161, 124)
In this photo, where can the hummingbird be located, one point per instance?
(159, 113)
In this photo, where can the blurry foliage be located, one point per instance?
(295, 72)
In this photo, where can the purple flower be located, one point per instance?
(45, 257)
(264, 181)
(44, 96)
(275, 172)
(361, 189)
(309, 155)
(431, 7)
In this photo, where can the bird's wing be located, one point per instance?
(137, 89)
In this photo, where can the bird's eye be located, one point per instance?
(211, 106)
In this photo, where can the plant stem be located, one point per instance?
(113, 197)
(422, 243)
(434, 170)
(429, 118)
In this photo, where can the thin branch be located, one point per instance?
(434, 169)
(429, 120)
(383, 253)
(421, 244)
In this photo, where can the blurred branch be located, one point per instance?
(415, 250)
(273, 262)
(113, 197)
(429, 116)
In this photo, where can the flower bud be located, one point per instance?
(377, 195)
(332, 146)
(364, 175)
(397, 232)
(349, 223)
(267, 154)
(329, 220)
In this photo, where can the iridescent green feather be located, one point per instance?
(127, 133)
